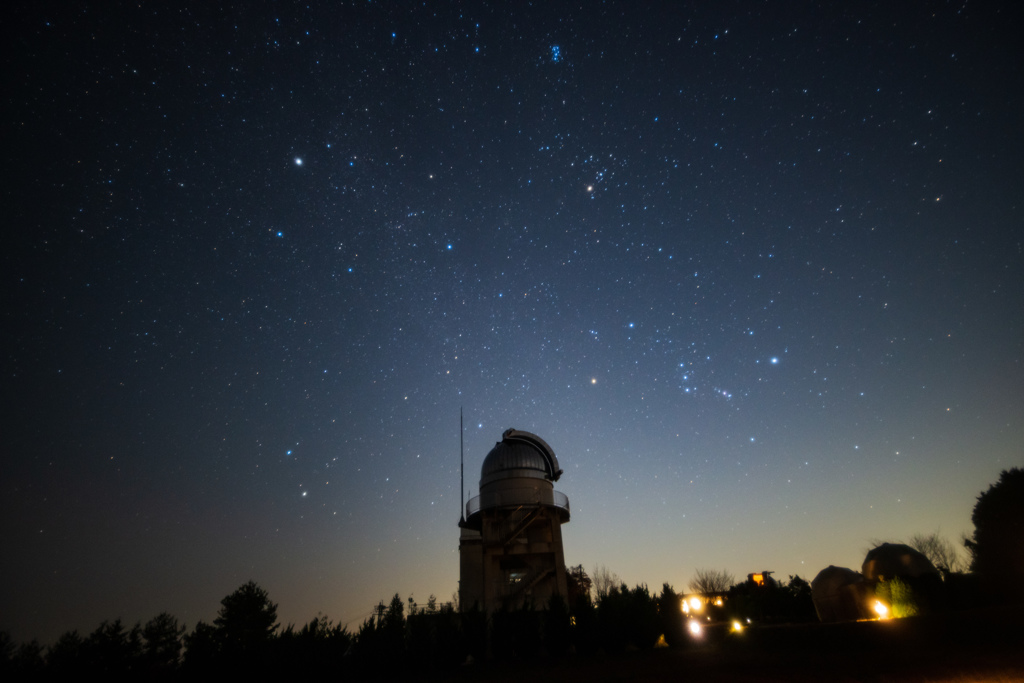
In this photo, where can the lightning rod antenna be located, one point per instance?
(462, 472)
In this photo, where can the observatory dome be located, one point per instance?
(519, 455)
(519, 471)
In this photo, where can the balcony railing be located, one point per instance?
(517, 497)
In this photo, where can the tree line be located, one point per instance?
(599, 614)
(247, 638)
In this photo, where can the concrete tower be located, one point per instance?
(510, 549)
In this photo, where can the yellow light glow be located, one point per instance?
(737, 626)
(880, 609)
(718, 602)
(695, 604)
(685, 606)
(695, 627)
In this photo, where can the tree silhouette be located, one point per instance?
(578, 585)
(316, 651)
(710, 581)
(997, 548)
(605, 581)
(27, 661)
(380, 644)
(670, 617)
(801, 604)
(112, 650)
(628, 618)
(557, 626)
(202, 648)
(65, 657)
(247, 619)
(243, 638)
(162, 649)
(940, 551)
(516, 632)
(368, 650)
(393, 628)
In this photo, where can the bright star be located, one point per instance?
(298, 161)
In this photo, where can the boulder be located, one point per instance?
(842, 594)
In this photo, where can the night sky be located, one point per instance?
(754, 270)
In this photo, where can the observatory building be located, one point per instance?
(510, 548)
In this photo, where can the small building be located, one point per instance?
(510, 546)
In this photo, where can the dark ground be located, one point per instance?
(978, 646)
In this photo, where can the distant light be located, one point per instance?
(880, 609)
(696, 604)
(775, 360)
(737, 627)
(593, 380)
(695, 627)
(298, 161)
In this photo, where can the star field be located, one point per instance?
(753, 271)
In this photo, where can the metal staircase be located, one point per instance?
(517, 523)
